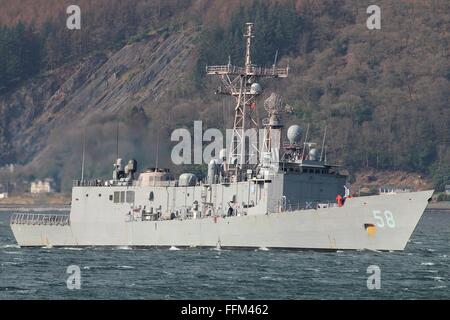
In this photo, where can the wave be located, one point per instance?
(440, 279)
(124, 248)
(431, 271)
(7, 288)
(15, 246)
(12, 252)
(125, 267)
(9, 263)
(438, 287)
(173, 248)
(427, 264)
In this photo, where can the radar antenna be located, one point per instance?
(274, 107)
(241, 83)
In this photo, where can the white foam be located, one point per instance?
(439, 279)
(438, 287)
(124, 248)
(173, 248)
(263, 249)
(12, 252)
(16, 246)
(125, 267)
(427, 264)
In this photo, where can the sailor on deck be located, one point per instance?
(339, 200)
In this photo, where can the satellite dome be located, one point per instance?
(255, 88)
(313, 153)
(187, 179)
(294, 134)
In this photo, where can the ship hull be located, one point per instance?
(383, 222)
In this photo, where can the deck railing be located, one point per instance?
(289, 207)
(253, 70)
(40, 219)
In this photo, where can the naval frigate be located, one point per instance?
(296, 200)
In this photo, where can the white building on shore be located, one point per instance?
(42, 186)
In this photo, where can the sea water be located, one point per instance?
(419, 272)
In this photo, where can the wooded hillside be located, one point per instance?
(384, 95)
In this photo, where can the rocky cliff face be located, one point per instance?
(105, 83)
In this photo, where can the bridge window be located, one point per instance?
(116, 197)
(130, 196)
(151, 196)
(122, 196)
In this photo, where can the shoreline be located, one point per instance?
(441, 205)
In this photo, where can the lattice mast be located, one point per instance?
(242, 83)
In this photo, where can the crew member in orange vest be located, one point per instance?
(339, 200)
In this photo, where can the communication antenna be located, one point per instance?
(117, 140)
(323, 143)
(304, 142)
(275, 61)
(241, 83)
(157, 151)
(84, 151)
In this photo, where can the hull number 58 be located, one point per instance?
(388, 218)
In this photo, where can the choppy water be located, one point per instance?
(421, 271)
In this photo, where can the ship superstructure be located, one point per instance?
(270, 194)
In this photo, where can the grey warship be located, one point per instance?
(296, 200)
